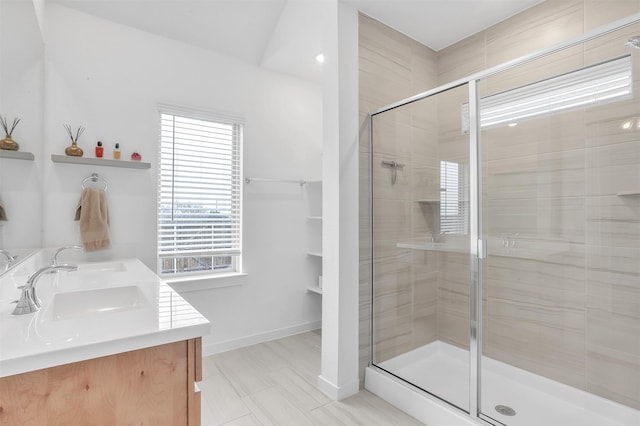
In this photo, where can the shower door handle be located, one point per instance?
(482, 249)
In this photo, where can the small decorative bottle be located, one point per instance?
(99, 150)
(116, 152)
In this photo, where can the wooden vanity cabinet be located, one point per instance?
(151, 386)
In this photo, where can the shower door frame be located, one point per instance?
(478, 247)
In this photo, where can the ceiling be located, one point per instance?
(441, 23)
(285, 35)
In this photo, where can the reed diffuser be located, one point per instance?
(8, 143)
(74, 150)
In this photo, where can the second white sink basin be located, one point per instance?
(102, 267)
(77, 303)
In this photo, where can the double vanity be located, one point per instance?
(111, 344)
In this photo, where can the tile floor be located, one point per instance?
(274, 383)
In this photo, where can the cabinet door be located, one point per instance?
(146, 386)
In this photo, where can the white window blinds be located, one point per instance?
(454, 196)
(199, 194)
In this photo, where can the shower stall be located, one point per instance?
(505, 238)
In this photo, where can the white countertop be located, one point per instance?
(65, 331)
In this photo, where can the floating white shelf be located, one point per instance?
(318, 218)
(313, 289)
(16, 155)
(627, 193)
(314, 254)
(100, 162)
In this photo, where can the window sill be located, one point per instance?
(205, 282)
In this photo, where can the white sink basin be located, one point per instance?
(115, 299)
(102, 267)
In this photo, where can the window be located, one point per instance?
(199, 193)
(454, 194)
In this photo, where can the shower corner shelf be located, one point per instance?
(314, 289)
(314, 254)
(17, 155)
(100, 162)
(628, 193)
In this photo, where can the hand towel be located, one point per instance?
(94, 219)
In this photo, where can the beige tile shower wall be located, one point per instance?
(565, 303)
(393, 67)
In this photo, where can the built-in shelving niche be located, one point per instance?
(314, 228)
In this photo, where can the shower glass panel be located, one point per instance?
(560, 161)
(421, 274)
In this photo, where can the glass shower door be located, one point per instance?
(560, 145)
(420, 214)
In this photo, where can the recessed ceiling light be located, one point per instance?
(512, 124)
(320, 57)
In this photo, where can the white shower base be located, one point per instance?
(443, 370)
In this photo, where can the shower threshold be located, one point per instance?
(443, 370)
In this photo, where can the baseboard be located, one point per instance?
(211, 349)
(338, 393)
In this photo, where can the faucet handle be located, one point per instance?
(25, 305)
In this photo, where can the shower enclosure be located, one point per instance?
(505, 235)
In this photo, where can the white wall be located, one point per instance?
(21, 79)
(109, 78)
(339, 375)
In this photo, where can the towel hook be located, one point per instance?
(94, 178)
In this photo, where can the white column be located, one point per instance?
(339, 371)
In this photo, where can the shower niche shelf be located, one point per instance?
(428, 200)
(17, 155)
(628, 193)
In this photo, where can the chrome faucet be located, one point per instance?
(8, 256)
(54, 257)
(29, 301)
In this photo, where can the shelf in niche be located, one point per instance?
(428, 200)
(16, 155)
(628, 193)
(315, 218)
(100, 162)
(314, 254)
(314, 289)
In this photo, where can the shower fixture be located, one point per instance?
(633, 42)
(394, 169)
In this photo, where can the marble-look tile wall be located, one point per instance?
(392, 67)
